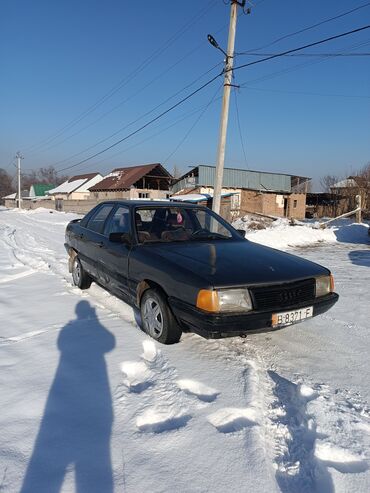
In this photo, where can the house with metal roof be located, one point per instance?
(76, 187)
(39, 190)
(148, 181)
(274, 194)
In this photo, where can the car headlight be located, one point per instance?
(224, 300)
(324, 285)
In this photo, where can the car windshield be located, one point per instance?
(168, 224)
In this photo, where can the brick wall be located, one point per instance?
(250, 201)
(297, 206)
(273, 204)
(30, 205)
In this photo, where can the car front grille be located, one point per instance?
(283, 295)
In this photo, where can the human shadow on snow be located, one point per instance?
(76, 426)
(360, 257)
(353, 233)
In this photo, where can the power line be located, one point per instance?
(122, 102)
(127, 125)
(309, 93)
(159, 132)
(208, 83)
(9, 164)
(239, 128)
(296, 67)
(310, 54)
(193, 126)
(125, 80)
(330, 19)
(146, 124)
(309, 45)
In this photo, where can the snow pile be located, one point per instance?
(283, 234)
(252, 222)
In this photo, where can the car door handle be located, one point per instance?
(99, 244)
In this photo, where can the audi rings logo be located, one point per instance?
(291, 295)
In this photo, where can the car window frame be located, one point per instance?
(87, 216)
(105, 204)
(109, 219)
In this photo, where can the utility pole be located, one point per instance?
(229, 61)
(19, 157)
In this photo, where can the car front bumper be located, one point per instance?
(215, 326)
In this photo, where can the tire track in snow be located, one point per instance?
(50, 328)
(295, 433)
(313, 433)
(26, 249)
(310, 428)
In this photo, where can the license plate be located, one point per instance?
(291, 317)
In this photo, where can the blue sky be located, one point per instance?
(60, 58)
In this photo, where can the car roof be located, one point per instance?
(152, 203)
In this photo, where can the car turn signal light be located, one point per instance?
(331, 283)
(208, 300)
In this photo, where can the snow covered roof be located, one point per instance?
(347, 183)
(67, 187)
(24, 194)
(78, 183)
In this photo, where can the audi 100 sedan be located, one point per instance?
(187, 269)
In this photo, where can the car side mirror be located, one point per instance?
(124, 238)
(241, 232)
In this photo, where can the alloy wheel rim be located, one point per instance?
(153, 318)
(76, 272)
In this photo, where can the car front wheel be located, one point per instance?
(80, 278)
(157, 318)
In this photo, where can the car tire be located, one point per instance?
(157, 319)
(80, 278)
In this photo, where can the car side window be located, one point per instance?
(88, 216)
(119, 222)
(97, 221)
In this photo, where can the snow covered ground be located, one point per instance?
(90, 404)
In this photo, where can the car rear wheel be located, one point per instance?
(80, 278)
(157, 318)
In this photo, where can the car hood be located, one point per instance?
(233, 263)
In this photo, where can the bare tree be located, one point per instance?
(47, 175)
(50, 175)
(28, 179)
(6, 185)
(363, 180)
(328, 181)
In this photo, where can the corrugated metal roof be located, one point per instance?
(124, 178)
(240, 178)
(87, 176)
(204, 176)
(39, 189)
